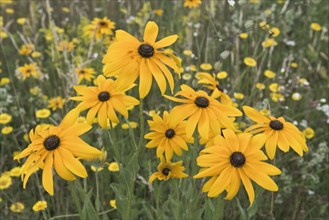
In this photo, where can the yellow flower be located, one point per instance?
(243, 35)
(278, 133)
(29, 70)
(21, 21)
(10, 11)
(274, 87)
(36, 54)
(303, 82)
(269, 43)
(42, 113)
(96, 169)
(202, 111)
(3, 34)
(249, 61)
(56, 103)
(232, 158)
(222, 75)
(269, 74)
(59, 146)
(296, 96)
(99, 27)
(192, 3)
(35, 90)
(167, 170)
(85, 73)
(193, 68)
(6, 2)
(5, 182)
(17, 207)
(39, 206)
(158, 12)
(113, 203)
(206, 66)
(308, 133)
(167, 136)
(65, 9)
(264, 25)
(113, 167)
(238, 95)
(260, 86)
(154, 112)
(274, 31)
(105, 99)
(316, 27)
(5, 118)
(294, 65)
(64, 45)
(4, 81)
(128, 59)
(26, 49)
(187, 52)
(276, 97)
(6, 130)
(16, 171)
(187, 76)
(254, 1)
(131, 124)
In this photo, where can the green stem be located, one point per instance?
(141, 123)
(97, 201)
(131, 134)
(75, 198)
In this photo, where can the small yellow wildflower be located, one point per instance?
(65, 9)
(56, 103)
(277, 97)
(193, 68)
(308, 133)
(294, 65)
(187, 52)
(264, 25)
(5, 182)
(36, 54)
(7, 130)
(158, 12)
(206, 66)
(274, 31)
(21, 21)
(269, 43)
(5, 118)
(244, 35)
(17, 207)
(274, 87)
(222, 75)
(16, 171)
(26, 49)
(39, 206)
(249, 61)
(42, 113)
(10, 11)
(296, 96)
(187, 76)
(316, 27)
(238, 95)
(269, 74)
(260, 86)
(4, 81)
(113, 203)
(114, 167)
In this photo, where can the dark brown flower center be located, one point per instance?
(103, 96)
(166, 171)
(237, 159)
(51, 142)
(146, 50)
(276, 125)
(220, 88)
(201, 102)
(82, 72)
(170, 133)
(102, 23)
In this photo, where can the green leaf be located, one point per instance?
(243, 214)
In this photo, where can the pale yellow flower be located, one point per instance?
(42, 113)
(308, 133)
(114, 167)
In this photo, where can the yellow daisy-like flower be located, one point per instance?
(17, 207)
(192, 3)
(243, 35)
(26, 49)
(113, 203)
(206, 66)
(277, 97)
(85, 73)
(99, 27)
(39, 206)
(114, 167)
(5, 182)
(269, 74)
(4, 81)
(64, 45)
(5, 118)
(7, 130)
(202, 110)
(104, 100)
(43, 113)
(58, 146)
(167, 170)
(260, 86)
(56, 103)
(16, 171)
(278, 133)
(234, 158)
(269, 43)
(168, 136)
(249, 61)
(29, 70)
(238, 95)
(316, 27)
(308, 133)
(296, 96)
(274, 31)
(222, 75)
(128, 58)
(213, 84)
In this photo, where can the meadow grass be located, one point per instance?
(218, 33)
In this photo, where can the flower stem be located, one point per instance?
(75, 198)
(141, 123)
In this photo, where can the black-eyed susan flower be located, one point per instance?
(99, 27)
(234, 158)
(192, 3)
(39, 206)
(17, 207)
(5, 118)
(56, 103)
(85, 73)
(104, 100)
(168, 170)
(203, 111)
(128, 58)
(26, 49)
(29, 70)
(167, 136)
(278, 133)
(59, 147)
(215, 87)
(249, 61)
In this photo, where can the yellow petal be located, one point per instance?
(72, 163)
(192, 121)
(102, 115)
(151, 32)
(255, 115)
(47, 174)
(167, 41)
(247, 185)
(270, 145)
(61, 170)
(158, 76)
(145, 80)
(260, 178)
